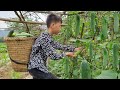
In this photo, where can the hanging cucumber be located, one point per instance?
(115, 56)
(116, 22)
(66, 67)
(92, 23)
(77, 30)
(105, 58)
(104, 28)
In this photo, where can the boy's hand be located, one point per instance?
(70, 54)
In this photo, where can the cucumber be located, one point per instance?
(10, 33)
(24, 34)
(14, 34)
(77, 30)
(105, 58)
(104, 28)
(21, 36)
(92, 23)
(116, 22)
(85, 70)
(91, 50)
(115, 56)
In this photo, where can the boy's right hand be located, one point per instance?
(70, 54)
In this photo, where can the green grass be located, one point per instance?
(15, 75)
(3, 48)
(4, 57)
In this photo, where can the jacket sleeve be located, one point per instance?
(59, 46)
(49, 50)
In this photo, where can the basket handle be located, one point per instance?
(17, 62)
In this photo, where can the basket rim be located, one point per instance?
(18, 38)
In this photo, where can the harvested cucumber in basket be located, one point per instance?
(23, 34)
(10, 34)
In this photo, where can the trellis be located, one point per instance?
(22, 19)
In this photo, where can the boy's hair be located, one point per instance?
(53, 18)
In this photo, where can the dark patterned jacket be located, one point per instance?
(43, 48)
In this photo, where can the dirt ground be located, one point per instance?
(5, 72)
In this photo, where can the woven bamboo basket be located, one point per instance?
(19, 49)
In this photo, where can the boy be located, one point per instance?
(44, 47)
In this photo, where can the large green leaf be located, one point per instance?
(107, 74)
(85, 70)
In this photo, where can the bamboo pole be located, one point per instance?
(29, 22)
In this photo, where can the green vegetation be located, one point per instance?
(98, 33)
(100, 39)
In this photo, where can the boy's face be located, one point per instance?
(55, 27)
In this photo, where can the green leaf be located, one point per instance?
(72, 40)
(98, 38)
(97, 57)
(85, 40)
(110, 45)
(77, 43)
(107, 74)
(103, 44)
(118, 35)
(75, 74)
